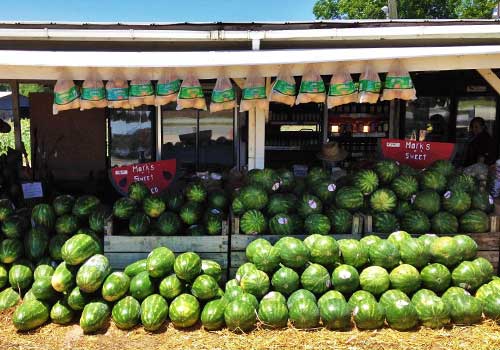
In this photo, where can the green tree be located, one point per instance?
(27, 89)
(409, 9)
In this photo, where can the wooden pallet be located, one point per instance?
(240, 242)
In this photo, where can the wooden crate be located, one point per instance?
(123, 250)
(240, 242)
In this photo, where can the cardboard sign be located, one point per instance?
(156, 175)
(32, 190)
(417, 154)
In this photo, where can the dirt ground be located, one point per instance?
(485, 336)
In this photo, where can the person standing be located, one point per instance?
(481, 147)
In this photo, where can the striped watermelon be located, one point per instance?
(383, 200)
(404, 186)
(92, 273)
(444, 223)
(184, 311)
(317, 224)
(63, 204)
(366, 181)
(212, 316)
(126, 313)
(349, 198)
(115, 286)
(43, 215)
(61, 313)
(474, 221)
(30, 314)
(154, 312)
(95, 316)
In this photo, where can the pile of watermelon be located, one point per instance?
(194, 210)
(276, 202)
(440, 199)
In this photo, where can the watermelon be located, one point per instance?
(309, 204)
(28, 296)
(387, 170)
(462, 182)
(273, 314)
(187, 266)
(436, 277)
(359, 297)
(369, 315)
(465, 310)
(293, 252)
(184, 311)
(30, 315)
(349, 198)
(275, 296)
(404, 187)
(141, 286)
(66, 224)
(335, 314)
(211, 268)
(160, 262)
(99, 218)
(169, 223)
(315, 279)
(77, 299)
(5, 212)
(366, 181)
(324, 250)
(420, 296)
(416, 222)
(330, 295)
(170, 287)
(443, 166)
(237, 207)
(402, 207)
(304, 314)
(55, 245)
(138, 191)
(239, 316)
(285, 280)
(383, 200)
(287, 179)
(491, 307)
(297, 224)
(204, 287)
(153, 206)
(433, 312)
(369, 240)
(300, 295)
(267, 259)
(253, 197)
(413, 252)
(281, 204)
(398, 237)
(138, 224)
(345, 279)
(474, 221)
(467, 246)
(248, 298)
(485, 291)
(9, 297)
(484, 268)
(212, 316)
(266, 178)
(213, 222)
(385, 254)
(36, 243)
(43, 215)
(255, 246)
(353, 252)
(456, 202)
(154, 312)
(124, 208)
(95, 317)
(217, 199)
(136, 268)
(405, 278)
(433, 181)
(85, 205)
(317, 224)
(340, 221)
(64, 277)
(253, 222)
(61, 313)
(324, 190)
(427, 240)
(126, 313)
(13, 226)
(385, 222)
(256, 283)
(280, 224)
(444, 223)
(482, 201)
(195, 192)
(316, 174)
(42, 289)
(374, 279)
(232, 293)
(428, 202)
(11, 250)
(115, 286)
(79, 248)
(243, 270)
(391, 296)
(452, 293)
(444, 250)
(92, 273)
(4, 276)
(41, 271)
(63, 204)
(467, 276)
(401, 315)
(20, 277)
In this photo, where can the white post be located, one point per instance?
(159, 133)
(251, 139)
(260, 138)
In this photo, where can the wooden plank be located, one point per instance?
(240, 242)
(121, 260)
(238, 259)
(491, 78)
(14, 85)
(178, 244)
(491, 256)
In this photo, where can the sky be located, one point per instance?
(157, 10)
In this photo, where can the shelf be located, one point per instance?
(291, 148)
(361, 135)
(277, 122)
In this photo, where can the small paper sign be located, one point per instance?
(32, 190)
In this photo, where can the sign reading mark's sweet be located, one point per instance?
(156, 175)
(417, 154)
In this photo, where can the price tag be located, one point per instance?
(32, 190)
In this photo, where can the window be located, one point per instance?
(427, 119)
(472, 107)
(131, 137)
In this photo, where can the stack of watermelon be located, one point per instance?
(275, 202)
(439, 199)
(194, 210)
(29, 251)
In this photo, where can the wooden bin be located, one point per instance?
(240, 242)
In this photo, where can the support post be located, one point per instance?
(491, 78)
(14, 86)
(251, 139)
(260, 138)
(159, 133)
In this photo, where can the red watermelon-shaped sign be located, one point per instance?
(156, 175)
(417, 154)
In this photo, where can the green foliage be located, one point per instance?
(7, 140)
